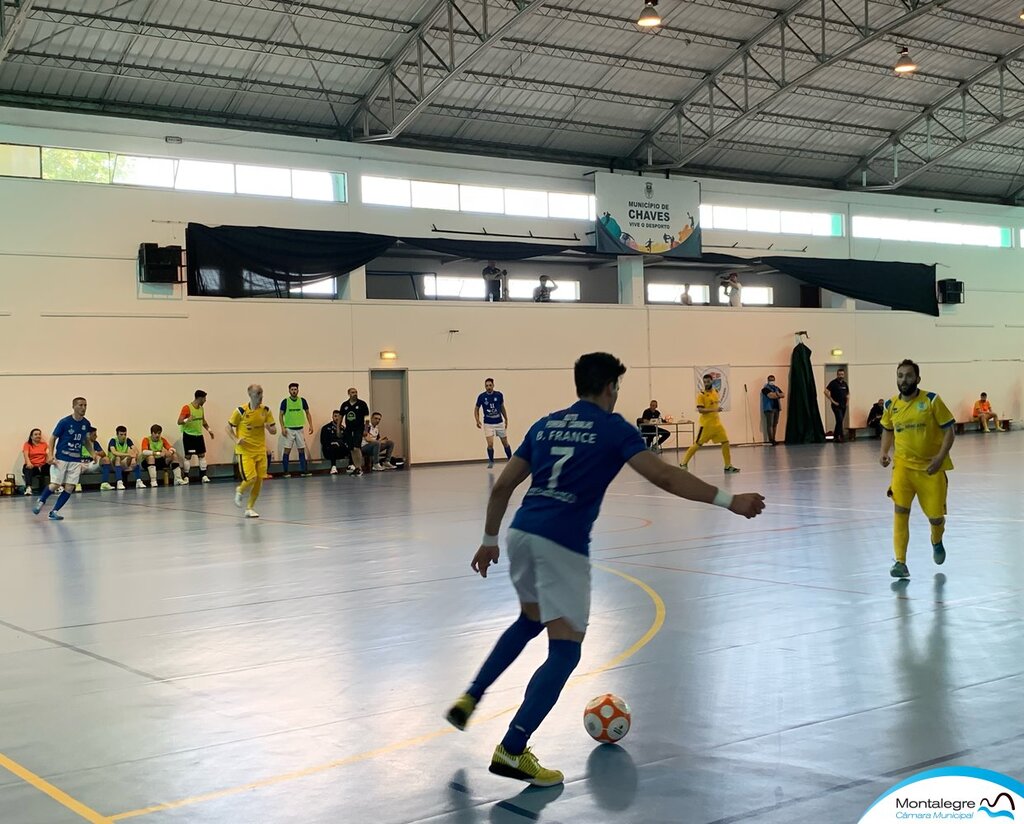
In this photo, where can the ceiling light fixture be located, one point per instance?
(906, 64)
(649, 17)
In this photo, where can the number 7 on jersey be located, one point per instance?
(566, 452)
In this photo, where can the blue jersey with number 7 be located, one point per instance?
(574, 454)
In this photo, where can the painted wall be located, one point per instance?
(74, 320)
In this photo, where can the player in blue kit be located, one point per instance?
(495, 419)
(573, 455)
(64, 451)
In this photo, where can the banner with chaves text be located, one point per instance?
(647, 216)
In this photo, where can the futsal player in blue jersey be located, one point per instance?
(64, 452)
(495, 421)
(572, 456)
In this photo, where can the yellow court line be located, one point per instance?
(652, 630)
(56, 794)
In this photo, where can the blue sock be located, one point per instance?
(512, 642)
(284, 462)
(490, 454)
(47, 492)
(119, 473)
(302, 460)
(138, 472)
(508, 451)
(541, 693)
(105, 473)
(62, 499)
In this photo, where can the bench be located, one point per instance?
(961, 426)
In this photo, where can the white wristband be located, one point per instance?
(489, 540)
(722, 499)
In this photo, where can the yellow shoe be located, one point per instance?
(525, 767)
(458, 715)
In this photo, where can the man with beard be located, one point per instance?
(921, 426)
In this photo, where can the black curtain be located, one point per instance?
(486, 249)
(253, 261)
(909, 286)
(803, 423)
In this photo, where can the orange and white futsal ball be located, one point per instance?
(607, 718)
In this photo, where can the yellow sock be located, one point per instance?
(937, 532)
(901, 535)
(726, 454)
(690, 453)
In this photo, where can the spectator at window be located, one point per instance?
(34, 453)
(733, 289)
(332, 441)
(686, 299)
(495, 279)
(650, 416)
(542, 294)
(983, 413)
(875, 417)
(377, 447)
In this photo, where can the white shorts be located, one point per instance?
(293, 438)
(494, 430)
(65, 473)
(548, 574)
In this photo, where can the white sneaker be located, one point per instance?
(184, 480)
(105, 487)
(28, 491)
(249, 513)
(351, 469)
(120, 484)
(377, 467)
(238, 499)
(180, 482)
(204, 479)
(140, 484)
(334, 470)
(389, 466)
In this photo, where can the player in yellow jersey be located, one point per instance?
(711, 429)
(921, 426)
(247, 427)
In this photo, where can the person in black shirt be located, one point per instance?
(838, 394)
(649, 432)
(332, 437)
(875, 417)
(495, 280)
(354, 413)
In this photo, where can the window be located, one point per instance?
(526, 202)
(592, 201)
(485, 199)
(75, 165)
(522, 289)
(453, 287)
(318, 186)
(426, 195)
(771, 221)
(927, 231)
(19, 161)
(203, 176)
(327, 288)
(386, 191)
(750, 295)
(144, 171)
(573, 207)
(263, 180)
(671, 292)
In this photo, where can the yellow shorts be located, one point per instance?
(252, 465)
(715, 433)
(930, 490)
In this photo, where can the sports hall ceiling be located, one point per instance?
(790, 91)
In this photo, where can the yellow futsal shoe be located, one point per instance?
(458, 715)
(525, 767)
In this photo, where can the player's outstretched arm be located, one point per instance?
(886, 448)
(516, 471)
(684, 484)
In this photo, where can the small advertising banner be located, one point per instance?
(951, 794)
(719, 381)
(647, 216)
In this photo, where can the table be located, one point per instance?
(675, 426)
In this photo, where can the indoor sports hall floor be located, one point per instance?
(164, 660)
